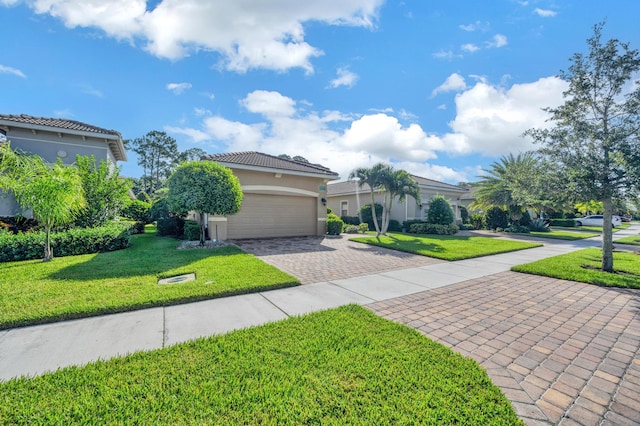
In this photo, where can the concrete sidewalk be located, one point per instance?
(37, 349)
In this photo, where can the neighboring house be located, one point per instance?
(53, 138)
(282, 198)
(346, 198)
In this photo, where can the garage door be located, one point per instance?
(264, 216)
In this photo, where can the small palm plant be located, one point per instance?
(539, 225)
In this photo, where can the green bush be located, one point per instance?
(466, 227)
(407, 223)
(433, 228)
(75, 241)
(440, 211)
(517, 228)
(350, 220)
(136, 210)
(18, 224)
(365, 212)
(363, 228)
(539, 225)
(464, 214)
(159, 210)
(477, 221)
(495, 218)
(350, 229)
(563, 222)
(394, 226)
(170, 226)
(191, 230)
(525, 220)
(334, 224)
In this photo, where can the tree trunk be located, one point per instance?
(48, 253)
(202, 229)
(607, 236)
(374, 216)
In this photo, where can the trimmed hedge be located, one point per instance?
(75, 241)
(191, 230)
(570, 223)
(350, 220)
(433, 228)
(334, 224)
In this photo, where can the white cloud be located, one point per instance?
(63, 113)
(454, 83)
(478, 25)
(489, 119)
(446, 54)
(545, 13)
(345, 78)
(498, 40)
(10, 70)
(442, 107)
(201, 112)
(178, 88)
(247, 34)
(469, 47)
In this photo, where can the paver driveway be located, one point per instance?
(322, 259)
(562, 352)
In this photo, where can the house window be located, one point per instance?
(344, 208)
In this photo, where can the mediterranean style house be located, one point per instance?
(53, 138)
(346, 198)
(282, 197)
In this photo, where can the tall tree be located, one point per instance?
(595, 138)
(157, 155)
(371, 177)
(104, 191)
(206, 188)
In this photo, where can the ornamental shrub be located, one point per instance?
(440, 212)
(394, 226)
(464, 214)
(170, 226)
(350, 229)
(563, 222)
(525, 220)
(334, 224)
(517, 229)
(477, 221)
(365, 212)
(136, 210)
(74, 241)
(495, 218)
(191, 230)
(350, 220)
(363, 228)
(433, 228)
(539, 225)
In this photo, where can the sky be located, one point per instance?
(441, 89)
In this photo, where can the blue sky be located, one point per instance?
(439, 88)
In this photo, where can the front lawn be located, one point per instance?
(633, 240)
(598, 229)
(584, 266)
(562, 235)
(447, 247)
(343, 366)
(34, 292)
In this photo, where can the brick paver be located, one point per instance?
(321, 259)
(562, 352)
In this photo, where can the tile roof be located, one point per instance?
(349, 186)
(258, 159)
(59, 123)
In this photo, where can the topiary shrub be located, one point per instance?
(477, 221)
(363, 228)
(440, 211)
(191, 230)
(433, 228)
(495, 218)
(334, 224)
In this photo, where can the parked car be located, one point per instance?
(597, 220)
(625, 219)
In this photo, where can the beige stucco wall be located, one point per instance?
(271, 183)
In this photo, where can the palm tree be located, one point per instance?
(397, 183)
(370, 177)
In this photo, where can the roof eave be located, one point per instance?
(332, 176)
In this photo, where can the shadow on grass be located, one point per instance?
(148, 255)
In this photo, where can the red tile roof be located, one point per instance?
(258, 159)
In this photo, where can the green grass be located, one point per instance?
(34, 292)
(633, 240)
(447, 247)
(343, 366)
(571, 267)
(562, 235)
(598, 229)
